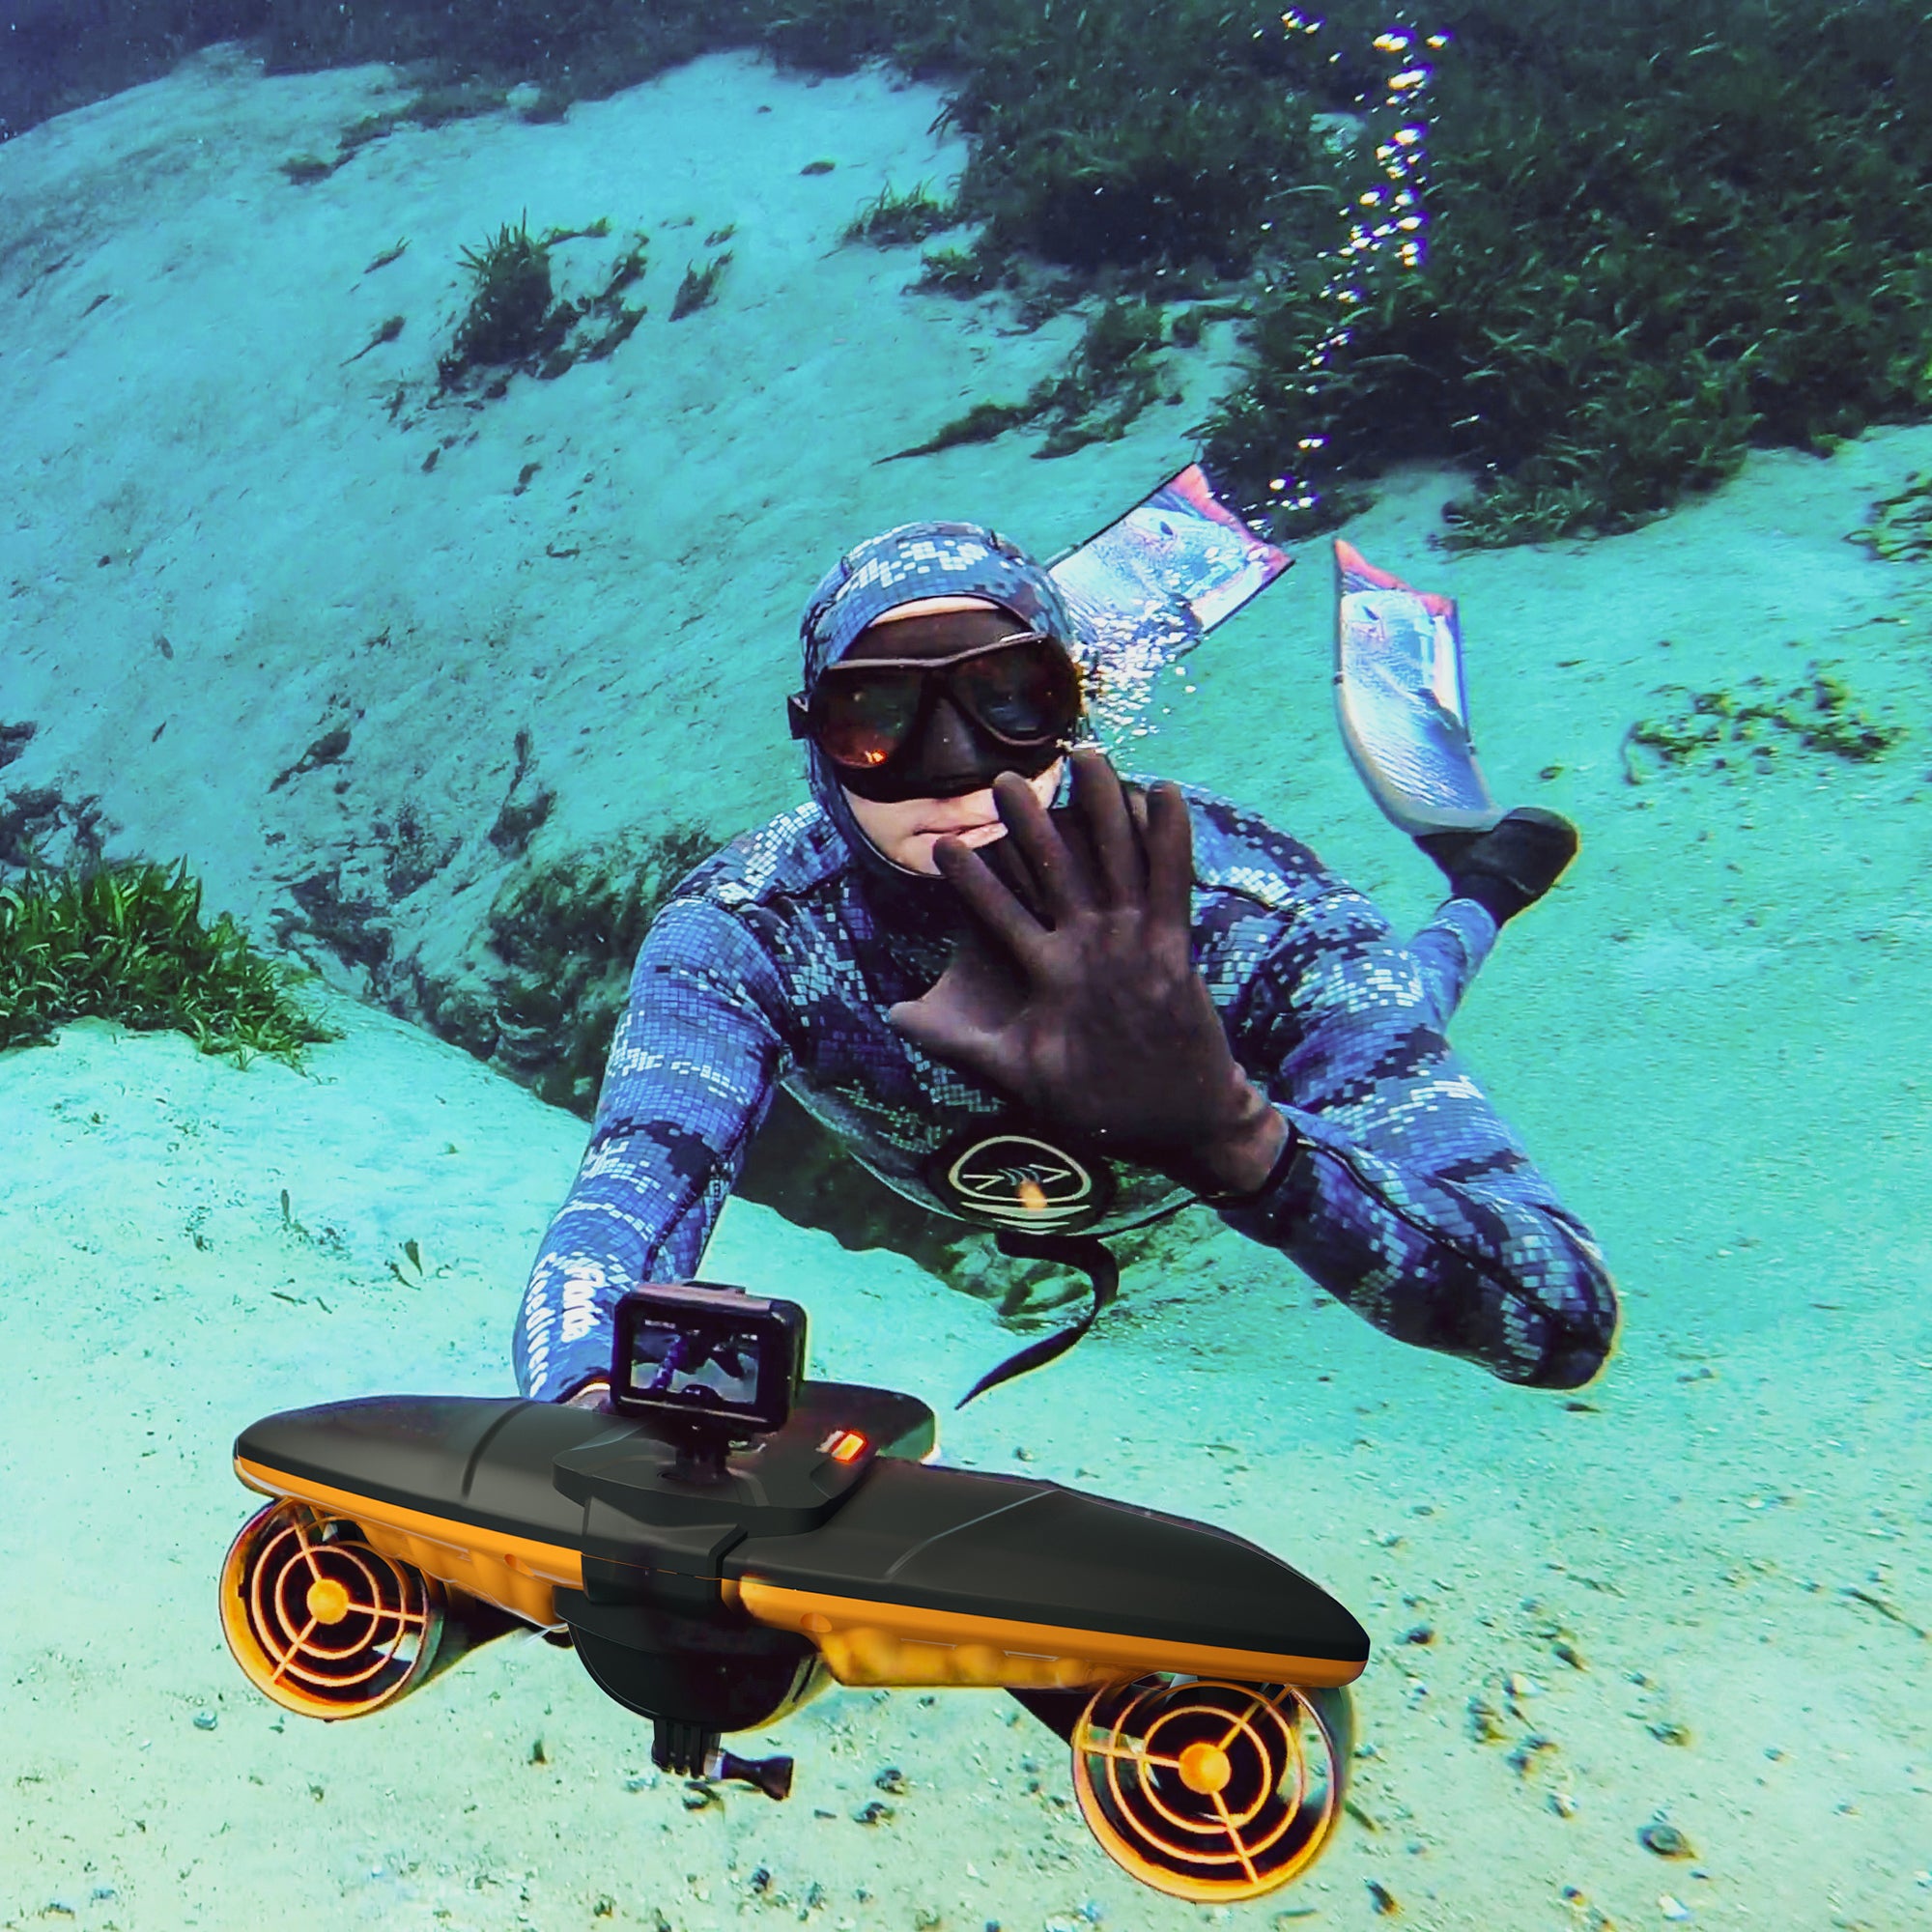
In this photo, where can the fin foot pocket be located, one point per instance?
(1507, 868)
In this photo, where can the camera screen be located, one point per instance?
(710, 1369)
(699, 1353)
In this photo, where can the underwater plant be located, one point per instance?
(437, 103)
(391, 327)
(513, 320)
(1651, 248)
(1140, 139)
(305, 170)
(1901, 531)
(511, 314)
(618, 319)
(1112, 376)
(982, 423)
(956, 272)
(124, 941)
(36, 819)
(699, 286)
(1655, 241)
(892, 220)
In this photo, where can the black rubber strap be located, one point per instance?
(1291, 1152)
(1086, 1252)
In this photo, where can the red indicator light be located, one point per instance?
(849, 1447)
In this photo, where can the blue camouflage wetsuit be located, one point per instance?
(1402, 1193)
(1410, 1200)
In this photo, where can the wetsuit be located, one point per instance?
(1402, 1193)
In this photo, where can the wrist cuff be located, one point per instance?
(1291, 1145)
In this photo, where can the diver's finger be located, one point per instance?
(1170, 851)
(935, 1030)
(989, 899)
(1058, 867)
(1101, 806)
(1003, 858)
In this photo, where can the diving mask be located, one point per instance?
(1019, 697)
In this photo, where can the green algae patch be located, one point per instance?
(956, 272)
(1901, 531)
(305, 170)
(125, 942)
(1655, 241)
(512, 312)
(699, 287)
(1749, 728)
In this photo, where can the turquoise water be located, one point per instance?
(370, 647)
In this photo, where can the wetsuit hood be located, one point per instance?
(901, 565)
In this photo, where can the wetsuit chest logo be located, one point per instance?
(1012, 1177)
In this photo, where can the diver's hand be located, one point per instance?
(1079, 996)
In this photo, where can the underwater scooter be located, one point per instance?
(731, 1536)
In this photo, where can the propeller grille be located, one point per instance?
(1204, 1789)
(319, 1620)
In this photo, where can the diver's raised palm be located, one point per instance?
(1081, 1000)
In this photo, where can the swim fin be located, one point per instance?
(1400, 702)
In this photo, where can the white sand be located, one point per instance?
(1713, 1038)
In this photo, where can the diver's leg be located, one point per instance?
(1448, 953)
(1493, 876)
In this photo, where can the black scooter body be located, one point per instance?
(962, 1543)
(716, 1599)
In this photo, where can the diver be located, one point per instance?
(717, 1369)
(1029, 995)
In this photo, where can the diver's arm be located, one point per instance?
(690, 1080)
(1400, 1189)
(1448, 953)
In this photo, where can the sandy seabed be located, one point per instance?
(1700, 1594)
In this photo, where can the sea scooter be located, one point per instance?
(731, 1536)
